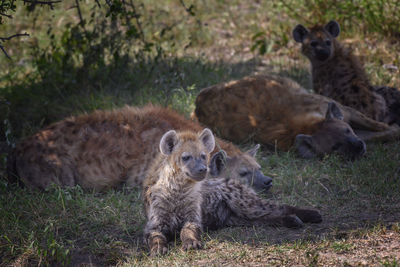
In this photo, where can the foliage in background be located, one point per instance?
(376, 16)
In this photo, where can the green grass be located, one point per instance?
(358, 200)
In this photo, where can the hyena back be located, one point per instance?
(103, 149)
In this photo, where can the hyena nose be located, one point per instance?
(359, 145)
(202, 169)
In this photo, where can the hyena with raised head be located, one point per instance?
(177, 198)
(337, 73)
(172, 189)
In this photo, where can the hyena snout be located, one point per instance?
(262, 182)
(356, 146)
(197, 170)
(322, 53)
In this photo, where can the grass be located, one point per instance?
(358, 199)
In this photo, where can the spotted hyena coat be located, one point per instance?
(338, 74)
(176, 202)
(279, 113)
(103, 149)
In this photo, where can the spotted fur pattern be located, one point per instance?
(101, 150)
(278, 112)
(337, 73)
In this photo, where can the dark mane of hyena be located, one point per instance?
(337, 73)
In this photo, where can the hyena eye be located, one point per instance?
(203, 156)
(347, 131)
(313, 43)
(328, 42)
(186, 158)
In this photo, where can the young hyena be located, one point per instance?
(178, 198)
(105, 149)
(338, 74)
(172, 191)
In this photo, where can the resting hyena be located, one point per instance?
(226, 202)
(105, 149)
(177, 199)
(278, 112)
(338, 74)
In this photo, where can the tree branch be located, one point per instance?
(3, 39)
(37, 2)
(6, 15)
(12, 36)
(4, 51)
(42, 2)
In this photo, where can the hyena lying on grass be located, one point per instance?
(178, 199)
(278, 112)
(108, 148)
(338, 74)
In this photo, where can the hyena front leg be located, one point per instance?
(192, 229)
(157, 243)
(247, 208)
(190, 236)
(155, 236)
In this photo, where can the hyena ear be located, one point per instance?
(333, 28)
(218, 163)
(305, 146)
(333, 112)
(168, 142)
(299, 32)
(253, 152)
(207, 138)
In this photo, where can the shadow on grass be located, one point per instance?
(56, 93)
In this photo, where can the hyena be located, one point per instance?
(278, 112)
(105, 149)
(226, 202)
(172, 191)
(177, 198)
(338, 74)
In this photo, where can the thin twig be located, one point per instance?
(42, 2)
(189, 9)
(79, 12)
(12, 36)
(139, 24)
(4, 51)
(6, 15)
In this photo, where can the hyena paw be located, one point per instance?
(158, 249)
(309, 216)
(292, 221)
(191, 244)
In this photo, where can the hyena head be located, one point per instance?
(318, 42)
(243, 168)
(188, 152)
(333, 135)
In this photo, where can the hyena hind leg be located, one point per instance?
(242, 206)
